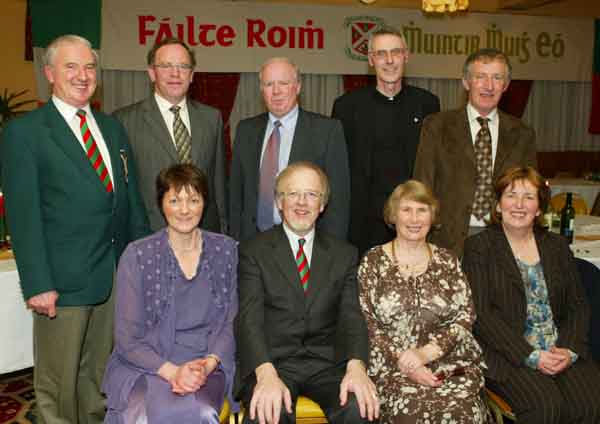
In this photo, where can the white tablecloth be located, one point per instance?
(586, 225)
(16, 322)
(587, 189)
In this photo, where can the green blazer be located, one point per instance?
(67, 231)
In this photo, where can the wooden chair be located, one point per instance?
(558, 202)
(307, 412)
(596, 208)
(225, 412)
(500, 409)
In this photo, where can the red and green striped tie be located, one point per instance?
(302, 263)
(93, 153)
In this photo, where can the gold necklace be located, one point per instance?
(409, 268)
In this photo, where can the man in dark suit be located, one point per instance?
(296, 135)
(159, 126)
(381, 125)
(300, 330)
(73, 205)
(452, 141)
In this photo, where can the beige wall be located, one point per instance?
(16, 74)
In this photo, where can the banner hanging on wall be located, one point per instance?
(238, 36)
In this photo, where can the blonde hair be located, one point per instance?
(409, 190)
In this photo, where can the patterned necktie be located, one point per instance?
(482, 201)
(183, 141)
(93, 153)
(266, 185)
(302, 263)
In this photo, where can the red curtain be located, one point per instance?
(217, 90)
(352, 82)
(515, 97)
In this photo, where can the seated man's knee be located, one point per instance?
(347, 414)
(545, 411)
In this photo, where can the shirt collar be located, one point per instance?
(472, 115)
(286, 119)
(69, 111)
(164, 105)
(293, 237)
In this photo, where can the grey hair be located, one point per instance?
(280, 59)
(487, 55)
(385, 30)
(67, 38)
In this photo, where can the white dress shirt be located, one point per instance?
(286, 137)
(474, 126)
(164, 107)
(308, 242)
(69, 113)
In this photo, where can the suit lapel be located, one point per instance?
(284, 258)
(111, 138)
(63, 137)
(319, 270)
(256, 140)
(199, 125)
(459, 137)
(506, 257)
(157, 127)
(302, 132)
(547, 258)
(506, 143)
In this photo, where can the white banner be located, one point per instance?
(230, 36)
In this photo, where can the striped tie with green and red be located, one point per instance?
(302, 263)
(93, 153)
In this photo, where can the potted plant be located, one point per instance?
(9, 107)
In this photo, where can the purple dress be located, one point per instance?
(161, 316)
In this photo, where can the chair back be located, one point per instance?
(590, 278)
(558, 202)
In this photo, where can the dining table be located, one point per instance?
(16, 328)
(587, 189)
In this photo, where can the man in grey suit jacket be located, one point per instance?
(303, 136)
(150, 126)
(300, 330)
(446, 158)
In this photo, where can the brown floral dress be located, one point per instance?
(409, 312)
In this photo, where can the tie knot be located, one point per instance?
(277, 124)
(81, 113)
(175, 109)
(483, 121)
(301, 242)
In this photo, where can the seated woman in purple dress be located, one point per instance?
(176, 298)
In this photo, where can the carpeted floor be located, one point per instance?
(17, 399)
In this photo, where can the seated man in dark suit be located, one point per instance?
(300, 330)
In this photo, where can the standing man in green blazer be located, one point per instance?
(73, 204)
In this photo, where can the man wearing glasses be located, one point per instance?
(267, 143)
(168, 128)
(300, 330)
(462, 151)
(382, 124)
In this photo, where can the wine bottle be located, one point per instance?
(567, 219)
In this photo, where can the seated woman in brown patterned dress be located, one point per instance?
(424, 360)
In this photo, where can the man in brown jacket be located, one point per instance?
(462, 151)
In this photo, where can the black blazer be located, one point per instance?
(317, 139)
(356, 111)
(499, 297)
(277, 320)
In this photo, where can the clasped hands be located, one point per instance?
(554, 361)
(412, 363)
(271, 394)
(188, 377)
